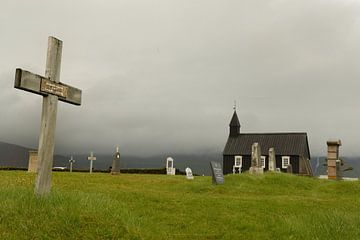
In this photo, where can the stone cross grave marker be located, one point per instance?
(71, 161)
(217, 173)
(91, 158)
(52, 90)
(272, 160)
(115, 168)
(189, 174)
(256, 167)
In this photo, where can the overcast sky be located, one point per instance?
(161, 77)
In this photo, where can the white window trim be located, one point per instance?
(263, 161)
(283, 159)
(238, 157)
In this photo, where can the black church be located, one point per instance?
(290, 148)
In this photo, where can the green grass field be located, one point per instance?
(130, 206)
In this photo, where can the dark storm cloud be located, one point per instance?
(161, 76)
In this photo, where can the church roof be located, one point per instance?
(295, 143)
(234, 121)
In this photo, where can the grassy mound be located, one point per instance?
(102, 206)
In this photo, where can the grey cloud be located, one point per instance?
(161, 76)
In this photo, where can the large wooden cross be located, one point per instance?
(52, 90)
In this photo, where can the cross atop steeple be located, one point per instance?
(234, 125)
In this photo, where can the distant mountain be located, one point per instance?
(17, 156)
(13, 155)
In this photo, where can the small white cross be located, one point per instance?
(91, 158)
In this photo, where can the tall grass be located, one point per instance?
(102, 206)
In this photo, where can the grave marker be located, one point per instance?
(115, 168)
(256, 167)
(217, 173)
(189, 174)
(91, 158)
(71, 161)
(272, 160)
(33, 161)
(289, 169)
(170, 170)
(52, 90)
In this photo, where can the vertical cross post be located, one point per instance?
(48, 119)
(91, 158)
(71, 161)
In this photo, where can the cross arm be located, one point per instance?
(37, 84)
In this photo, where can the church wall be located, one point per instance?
(228, 163)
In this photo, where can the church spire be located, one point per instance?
(234, 124)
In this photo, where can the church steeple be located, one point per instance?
(234, 125)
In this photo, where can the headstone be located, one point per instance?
(91, 158)
(71, 161)
(52, 90)
(170, 170)
(189, 174)
(289, 169)
(33, 161)
(272, 160)
(115, 168)
(217, 173)
(256, 167)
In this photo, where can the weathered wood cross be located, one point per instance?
(91, 158)
(52, 90)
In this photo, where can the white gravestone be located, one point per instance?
(71, 161)
(256, 167)
(91, 158)
(272, 160)
(189, 174)
(170, 170)
(52, 90)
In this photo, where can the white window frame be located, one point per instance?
(237, 158)
(283, 161)
(262, 161)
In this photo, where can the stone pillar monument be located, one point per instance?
(33, 161)
(272, 160)
(115, 169)
(289, 169)
(333, 161)
(256, 167)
